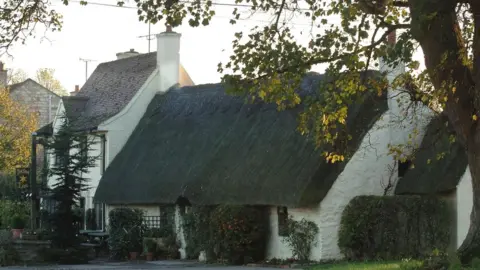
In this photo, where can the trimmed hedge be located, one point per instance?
(394, 227)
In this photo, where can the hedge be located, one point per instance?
(126, 232)
(394, 227)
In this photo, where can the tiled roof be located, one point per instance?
(109, 89)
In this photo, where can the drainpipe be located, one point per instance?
(49, 109)
(33, 183)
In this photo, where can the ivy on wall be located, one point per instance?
(235, 234)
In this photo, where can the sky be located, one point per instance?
(97, 32)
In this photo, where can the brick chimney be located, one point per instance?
(74, 92)
(168, 58)
(3, 75)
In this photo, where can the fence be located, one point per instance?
(152, 221)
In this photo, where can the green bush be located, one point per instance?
(18, 222)
(239, 233)
(301, 237)
(126, 232)
(394, 227)
(9, 209)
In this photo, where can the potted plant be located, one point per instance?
(150, 248)
(18, 224)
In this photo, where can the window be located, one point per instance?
(84, 147)
(403, 167)
(99, 209)
(102, 154)
(282, 213)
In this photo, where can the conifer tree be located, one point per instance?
(73, 159)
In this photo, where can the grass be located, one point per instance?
(358, 266)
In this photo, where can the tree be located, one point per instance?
(45, 77)
(269, 58)
(72, 162)
(17, 125)
(17, 76)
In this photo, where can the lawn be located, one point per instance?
(357, 266)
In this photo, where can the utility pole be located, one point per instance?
(149, 36)
(86, 66)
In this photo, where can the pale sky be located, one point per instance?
(99, 32)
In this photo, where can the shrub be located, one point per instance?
(9, 209)
(394, 227)
(301, 237)
(126, 232)
(239, 233)
(18, 222)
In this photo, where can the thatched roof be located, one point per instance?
(212, 148)
(440, 175)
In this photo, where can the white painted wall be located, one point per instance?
(120, 127)
(464, 205)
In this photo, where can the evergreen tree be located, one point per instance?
(72, 162)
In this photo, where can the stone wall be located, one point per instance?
(28, 250)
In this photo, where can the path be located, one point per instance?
(174, 265)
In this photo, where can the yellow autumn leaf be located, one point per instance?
(474, 117)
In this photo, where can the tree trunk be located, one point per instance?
(470, 247)
(435, 26)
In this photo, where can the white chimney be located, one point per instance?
(168, 58)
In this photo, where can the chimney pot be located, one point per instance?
(1, 66)
(77, 88)
(169, 29)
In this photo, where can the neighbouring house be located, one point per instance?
(441, 169)
(197, 145)
(40, 101)
(112, 101)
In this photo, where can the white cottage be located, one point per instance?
(113, 100)
(200, 145)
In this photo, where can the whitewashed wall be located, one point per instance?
(464, 205)
(121, 126)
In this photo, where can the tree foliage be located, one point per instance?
(17, 125)
(348, 36)
(46, 77)
(16, 76)
(72, 163)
